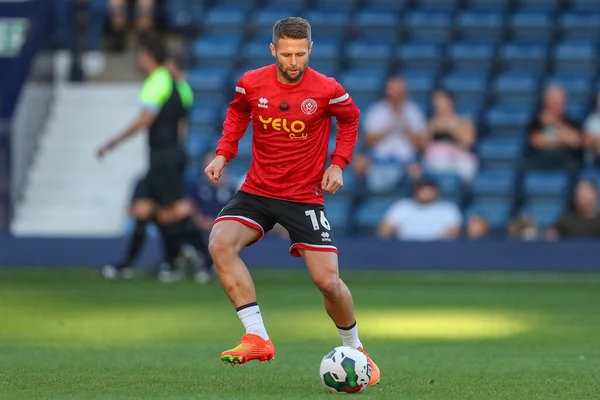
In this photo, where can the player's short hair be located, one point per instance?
(154, 45)
(291, 28)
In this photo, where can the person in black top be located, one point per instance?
(583, 219)
(554, 139)
(166, 101)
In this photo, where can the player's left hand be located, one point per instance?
(332, 179)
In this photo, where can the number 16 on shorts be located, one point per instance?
(322, 219)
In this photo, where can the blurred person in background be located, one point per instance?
(165, 104)
(449, 140)
(68, 14)
(592, 135)
(394, 135)
(118, 19)
(423, 217)
(583, 218)
(523, 227)
(555, 140)
(477, 227)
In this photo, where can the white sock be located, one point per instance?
(350, 336)
(252, 319)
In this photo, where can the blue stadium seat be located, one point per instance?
(480, 26)
(245, 144)
(445, 6)
(215, 51)
(450, 186)
(578, 56)
(264, 19)
(429, 27)
(420, 55)
(520, 56)
(257, 53)
(507, 121)
(419, 81)
(372, 212)
(545, 214)
(578, 86)
(328, 23)
(245, 5)
(497, 213)
(515, 87)
(532, 26)
(184, 14)
(364, 84)
(500, 153)
(388, 6)
(345, 6)
(469, 108)
(379, 26)
(198, 143)
(368, 55)
(338, 208)
(471, 55)
(225, 20)
(546, 186)
(494, 185)
(290, 7)
(580, 25)
(204, 115)
(546, 6)
(208, 83)
(466, 85)
(325, 56)
(498, 6)
(585, 6)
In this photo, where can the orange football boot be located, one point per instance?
(375, 372)
(251, 347)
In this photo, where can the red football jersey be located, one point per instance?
(291, 125)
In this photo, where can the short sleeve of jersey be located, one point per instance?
(186, 93)
(156, 90)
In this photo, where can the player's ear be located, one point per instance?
(273, 52)
(310, 47)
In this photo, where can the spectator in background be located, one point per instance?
(118, 17)
(592, 134)
(555, 139)
(583, 219)
(524, 228)
(424, 217)
(67, 14)
(477, 227)
(449, 140)
(394, 132)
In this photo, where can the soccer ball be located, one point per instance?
(346, 370)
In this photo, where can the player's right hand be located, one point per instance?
(214, 170)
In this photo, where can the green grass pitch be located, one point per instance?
(66, 334)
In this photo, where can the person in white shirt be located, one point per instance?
(423, 218)
(394, 134)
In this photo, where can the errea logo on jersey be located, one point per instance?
(262, 102)
(325, 237)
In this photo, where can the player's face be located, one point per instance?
(291, 56)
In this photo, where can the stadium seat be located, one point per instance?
(368, 55)
(257, 54)
(450, 186)
(264, 19)
(345, 6)
(480, 26)
(471, 55)
(497, 6)
(419, 81)
(184, 14)
(444, 6)
(428, 27)
(507, 121)
(296, 6)
(497, 213)
(225, 20)
(377, 26)
(513, 87)
(469, 108)
(372, 212)
(494, 185)
(500, 153)
(578, 56)
(420, 55)
(577, 86)
(246, 5)
(364, 84)
(325, 56)
(546, 185)
(208, 83)
(338, 211)
(545, 214)
(388, 6)
(203, 115)
(532, 26)
(523, 56)
(328, 23)
(215, 51)
(545, 6)
(584, 6)
(466, 85)
(580, 25)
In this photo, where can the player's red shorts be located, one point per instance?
(307, 223)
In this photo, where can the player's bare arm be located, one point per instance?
(143, 121)
(333, 179)
(214, 170)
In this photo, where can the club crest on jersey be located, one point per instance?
(309, 106)
(262, 102)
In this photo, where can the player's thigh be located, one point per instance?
(245, 217)
(307, 225)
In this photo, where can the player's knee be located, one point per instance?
(220, 246)
(329, 284)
